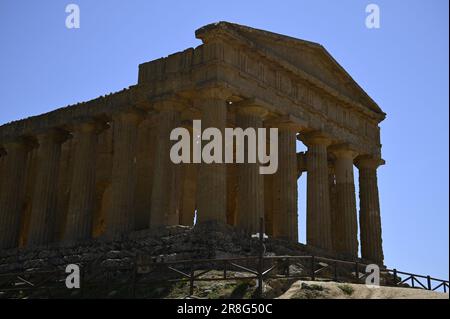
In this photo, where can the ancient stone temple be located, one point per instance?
(102, 168)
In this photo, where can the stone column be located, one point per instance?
(12, 185)
(82, 195)
(285, 215)
(318, 219)
(189, 191)
(2, 166)
(268, 204)
(333, 203)
(369, 214)
(166, 178)
(250, 202)
(120, 218)
(30, 181)
(2, 157)
(65, 174)
(212, 187)
(346, 229)
(103, 176)
(145, 167)
(43, 212)
(232, 193)
(188, 184)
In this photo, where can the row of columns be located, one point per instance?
(330, 227)
(331, 203)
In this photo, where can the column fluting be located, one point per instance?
(250, 202)
(12, 186)
(166, 177)
(43, 211)
(369, 214)
(212, 187)
(318, 229)
(80, 214)
(346, 229)
(120, 217)
(285, 215)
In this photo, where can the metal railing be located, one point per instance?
(100, 281)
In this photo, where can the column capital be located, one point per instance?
(14, 143)
(215, 92)
(344, 150)
(190, 114)
(53, 135)
(142, 97)
(150, 119)
(287, 122)
(132, 115)
(315, 138)
(170, 102)
(331, 165)
(250, 107)
(369, 161)
(90, 125)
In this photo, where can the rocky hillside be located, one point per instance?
(167, 243)
(292, 289)
(111, 269)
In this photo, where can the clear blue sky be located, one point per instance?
(403, 66)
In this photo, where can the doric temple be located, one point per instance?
(101, 168)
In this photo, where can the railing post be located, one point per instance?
(395, 276)
(191, 283)
(335, 272)
(133, 287)
(288, 265)
(313, 271)
(429, 282)
(412, 281)
(356, 270)
(261, 256)
(225, 269)
(82, 275)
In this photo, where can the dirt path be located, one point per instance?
(332, 290)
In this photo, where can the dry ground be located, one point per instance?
(332, 290)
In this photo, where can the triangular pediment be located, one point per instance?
(309, 57)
